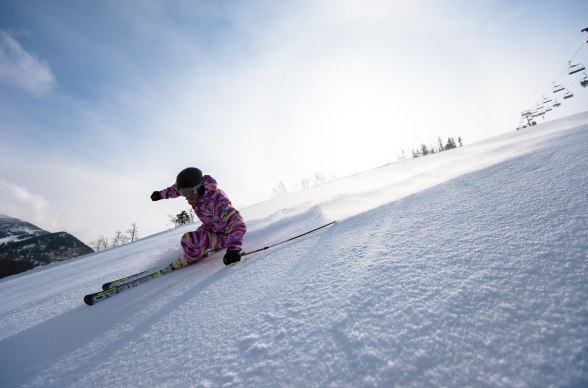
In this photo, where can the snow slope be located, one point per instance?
(465, 268)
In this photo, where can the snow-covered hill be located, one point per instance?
(465, 268)
(14, 230)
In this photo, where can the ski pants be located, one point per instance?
(196, 244)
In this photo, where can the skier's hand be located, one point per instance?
(231, 257)
(180, 263)
(156, 196)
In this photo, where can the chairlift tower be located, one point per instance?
(527, 115)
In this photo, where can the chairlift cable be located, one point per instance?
(564, 70)
(566, 67)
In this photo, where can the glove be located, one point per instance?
(232, 257)
(180, 263)
(156, 196)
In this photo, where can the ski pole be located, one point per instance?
(285, 241)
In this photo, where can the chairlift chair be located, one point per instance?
(573, 69)
(556, 104)
(557, 88)
(584, 80)
(568, 94)
(546, 99)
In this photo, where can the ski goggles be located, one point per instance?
(190, 191)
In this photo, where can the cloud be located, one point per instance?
(20, 68)
(18, 202)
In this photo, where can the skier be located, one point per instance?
(222, 224)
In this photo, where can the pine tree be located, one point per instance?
(450, 144)
(424, 150)
(180, 219)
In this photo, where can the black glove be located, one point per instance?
(232, 257)
(156, 196)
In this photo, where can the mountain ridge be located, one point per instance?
(24, 246)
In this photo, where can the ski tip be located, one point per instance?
(89, 300)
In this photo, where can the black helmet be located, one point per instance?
(189, 178)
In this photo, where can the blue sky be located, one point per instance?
(102, 102)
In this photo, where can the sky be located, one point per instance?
(103, 102)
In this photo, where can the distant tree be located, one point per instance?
(100, 244)
(280, 190)
(450, 144)
(416, 154)
(119, 239)
(95, 245)
(319, 178)
(440, 144)
(132, 232)
(304, 183)
(182, 218)
(424, 150)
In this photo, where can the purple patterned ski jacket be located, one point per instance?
(221, 222)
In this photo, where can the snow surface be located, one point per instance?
(465, 268)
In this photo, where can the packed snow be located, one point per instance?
(464, 268)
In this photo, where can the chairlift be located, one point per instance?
(548, 109)
(556, 104)
(568, 94)
(557, 88)
(584, 80)
(546, 99)
(573, 69)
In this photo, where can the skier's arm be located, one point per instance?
(170, 192)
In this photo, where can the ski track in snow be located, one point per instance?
(466, 268)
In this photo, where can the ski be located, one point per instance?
(117, 286)
(96, 297)
(131, 278)
(128, 279)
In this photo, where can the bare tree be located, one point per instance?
(304, 183)
(280, 190)
(95, 245)
(119, 239)
(319, 178)
(101, 244)
(132, 232)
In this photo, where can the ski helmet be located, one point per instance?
(189, 177)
